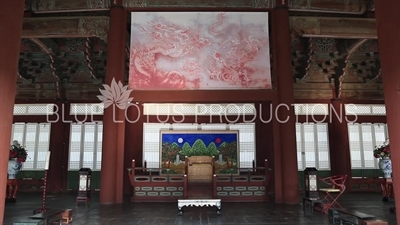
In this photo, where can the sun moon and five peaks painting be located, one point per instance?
(199, 51)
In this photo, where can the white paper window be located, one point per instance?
(35, 137)
(33, 109)
(312, 146)
(85, 146)
(362, 140)
(365, 109)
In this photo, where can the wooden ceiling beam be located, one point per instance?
(66, 27)
(61, 6)
(357, 7)
(55, 6)
(197, 4)
(325, 6)
(333, 27)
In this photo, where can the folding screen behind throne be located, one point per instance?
(199, 154)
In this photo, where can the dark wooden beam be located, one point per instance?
(61, 27)
(54, 6)
(197, 4)
(329, 6)
(333, 27)
(324, 6)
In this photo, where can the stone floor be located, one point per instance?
(167, 213)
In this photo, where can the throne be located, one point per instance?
(199, 169)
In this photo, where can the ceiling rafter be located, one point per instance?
(48, 49)
(350, 50)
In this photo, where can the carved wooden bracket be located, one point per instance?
(60, 27)
(333, 27)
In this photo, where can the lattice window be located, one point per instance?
(364, 109)
(157, 109)
(312, 146)
(33, 109)
(311, 109)
(184, 126)
(378, 109)
(87, 109)
(362, 140)
(35, 137)
(213, 126)
(151, 143)
(247, 142)
(198, 109)
(85, 146)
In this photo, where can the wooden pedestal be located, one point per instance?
(67, 216)
(85, 200)
(373, 222)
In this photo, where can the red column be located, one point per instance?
(133, 147)
(285, 112)
(120, 170)
(58, 148)
(277, 172)
(388, 21)
(111, 183)
(11, 16)
(339, 141)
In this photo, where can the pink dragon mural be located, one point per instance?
(199, 51)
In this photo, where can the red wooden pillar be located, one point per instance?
(285, 112)
(111, 183)
(388, 21)
(120, 148)
(339, 141)
(11, 17)
(277, 171)
(58, 147)
(133, 150)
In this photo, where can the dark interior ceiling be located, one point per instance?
(334, 47)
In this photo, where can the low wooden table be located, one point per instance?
(43, 218)
(199, 202)
(54, 215)
(352, 216)
(28, 221)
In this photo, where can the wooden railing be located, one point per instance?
(366, 184)
(150, 184)
(30, 184)
(249, 184)
(156, 184)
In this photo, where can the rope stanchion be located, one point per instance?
(43, 209)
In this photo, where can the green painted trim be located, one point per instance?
(30, 174)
